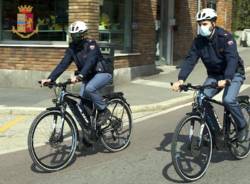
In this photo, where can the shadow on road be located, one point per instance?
(82, 151)
(166, 141)
(167, 175)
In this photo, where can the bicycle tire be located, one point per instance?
(104, 141)
(174, 154)
(233, 148)
(32, 134)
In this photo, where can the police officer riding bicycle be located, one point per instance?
(218, 52)
(87, 57)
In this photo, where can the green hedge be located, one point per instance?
(241, 15)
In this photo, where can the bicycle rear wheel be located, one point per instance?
(240, 150)
(191, 148)
(52, 140)
(116, 132)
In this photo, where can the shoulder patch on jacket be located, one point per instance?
(92, 47)
(230, 42)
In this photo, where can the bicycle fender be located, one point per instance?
(119, 95)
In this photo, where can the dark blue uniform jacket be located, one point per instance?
(219, 55)
(85, 55)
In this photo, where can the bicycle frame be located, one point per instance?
(65, 99)
(65, 136)
(199, 108)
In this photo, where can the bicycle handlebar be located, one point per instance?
(188, 86)
(55, 84)
(197, 87)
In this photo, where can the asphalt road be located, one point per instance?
(147, 160)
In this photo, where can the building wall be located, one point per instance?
(225, 11)
(24, 58)
(144, 15)
(185, 30)
(144, 31)
(45, 59)
(88, 11)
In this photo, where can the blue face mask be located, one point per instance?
(205, 31)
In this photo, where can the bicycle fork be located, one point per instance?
(200, 133)
(57, 127)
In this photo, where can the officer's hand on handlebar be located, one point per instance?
(176, 85)
(45, 81)
(76, 79)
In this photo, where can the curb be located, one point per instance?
(21, 110)
(156, 107)
(161, 105)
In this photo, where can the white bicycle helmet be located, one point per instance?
(78, 27)
(206, 14)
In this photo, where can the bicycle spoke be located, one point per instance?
(189, 153)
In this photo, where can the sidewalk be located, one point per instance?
(142, 97)
(150, 93)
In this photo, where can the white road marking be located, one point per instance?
(152, 83)
(248, 69)
(158, 84)
(162, 112)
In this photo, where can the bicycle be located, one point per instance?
(54, 135)
(194, 137)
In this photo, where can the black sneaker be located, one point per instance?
(103, 116)
(242, 134)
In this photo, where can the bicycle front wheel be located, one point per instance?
(52, 140)
(191, 148)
